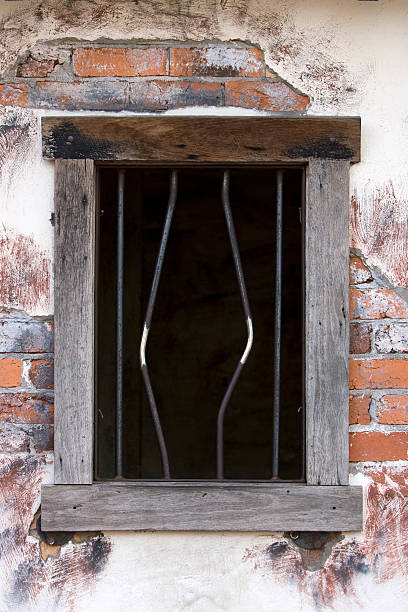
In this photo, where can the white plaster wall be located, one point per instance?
(324, 48)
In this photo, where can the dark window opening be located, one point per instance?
(198, 331)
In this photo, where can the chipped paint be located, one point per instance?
(379, 227)
(379, 556)
(36, 575)
(25, 273)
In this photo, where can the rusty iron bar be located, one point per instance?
(147, 325)
(245, 303)
(119, 325)
(278, 322)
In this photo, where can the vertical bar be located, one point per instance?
(147, 324)
(119, 324)
(278, 318)
(245, 303)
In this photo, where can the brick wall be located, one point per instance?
(147, 78)
(26, 383)
(378, 369)
(159, 78)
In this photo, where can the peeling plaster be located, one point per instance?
(32, 576)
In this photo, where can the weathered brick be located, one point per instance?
(377, 304)
(378, 374)
(393, 409)
(264, 95)
(42, 437)
(10, 372)
(391, 338)
(359, 272)
(26, 336)
(359, 406)
(216, 61)
(360, 338)
(88, 95)
(42, 373)
(14, 94)
(26, 408)
(163, 95)
(378, 446)
(16, 438)
(13, 439)
(36, 68)
(120, 62)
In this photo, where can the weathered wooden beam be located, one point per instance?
(74, 320)
(192, 140)
(327, 322)
(203, 507)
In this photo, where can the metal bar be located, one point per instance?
(278, 320)
(119, 324)
(244, 297)
(147, 324)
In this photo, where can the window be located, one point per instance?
(201, 325)
(323, 148)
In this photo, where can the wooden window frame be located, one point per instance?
(325, 146)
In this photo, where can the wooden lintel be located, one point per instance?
(206, 140)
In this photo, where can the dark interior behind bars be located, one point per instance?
(198, 330)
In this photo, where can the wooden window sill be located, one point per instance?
(211, 506)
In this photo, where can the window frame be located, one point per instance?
(325, 146)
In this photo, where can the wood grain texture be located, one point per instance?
(192, 140)
(202, 507)
(327, 322)
(74, 320)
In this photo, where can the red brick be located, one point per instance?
(42, 437)
(42, 373)
(264, 95)
(88, 95)
(216, 61)
(378, 446)
(359, 273)
(120, 62)
(377, 304)
(360, 338)
(26, 336)
(36, 68)
(26, 408)
(393, 410)
(359, 406)
(378, 374)
(163, 95)
(14, 94)
(10, 372)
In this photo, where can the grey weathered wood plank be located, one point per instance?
(183, 507)
(192, 140)
(327, 322)
(74, 320)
